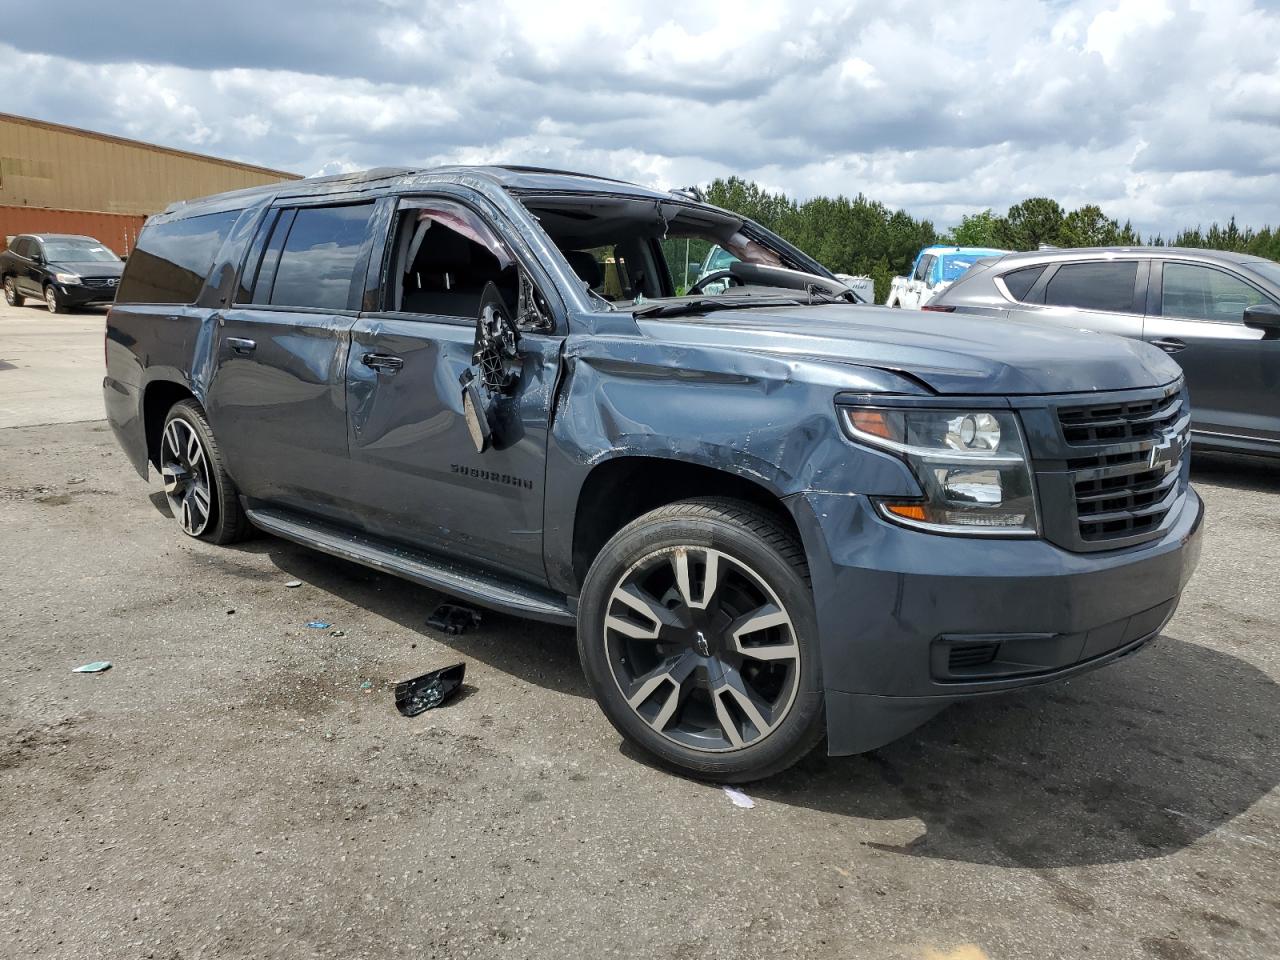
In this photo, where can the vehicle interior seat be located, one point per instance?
(587, 267)
(449, 273)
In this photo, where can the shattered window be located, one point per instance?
(444, 256)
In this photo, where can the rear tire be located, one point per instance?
(53, 300)
(201, 495)
(698, 635)
(11, 295)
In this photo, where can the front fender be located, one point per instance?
(766, 419)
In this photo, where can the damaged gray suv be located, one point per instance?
(772, 513)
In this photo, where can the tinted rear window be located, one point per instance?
(171, 260)
(319, 258)
(1020, 282)
(1093, 286)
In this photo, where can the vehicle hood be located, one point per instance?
(950, 353)
(88, 268)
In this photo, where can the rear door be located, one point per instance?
(30, 278)
(277, 396)
(1108, 296)
(416, 474)
(1197, 317)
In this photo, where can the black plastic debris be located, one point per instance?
(453, 618)
(429, 690)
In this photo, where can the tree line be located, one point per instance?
(864, 237)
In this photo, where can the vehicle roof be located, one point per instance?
(944, 248)
(59, 236)
(1101, 253)
(514, 177)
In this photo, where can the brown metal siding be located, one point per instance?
(117, 231)
(61, 168)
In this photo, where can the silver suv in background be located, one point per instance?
(1216, 313)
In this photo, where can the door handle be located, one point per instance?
(382, 361)
(241, 346)
(1169, 344)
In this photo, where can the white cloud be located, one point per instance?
(1163, 111)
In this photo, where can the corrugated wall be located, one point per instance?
(117, 231)
(46, 169)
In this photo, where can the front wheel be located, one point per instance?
(698, 636)
(11, 295)
(53, 300)
(201, 495)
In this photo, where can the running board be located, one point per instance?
(456, 579)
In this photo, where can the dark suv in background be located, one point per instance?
(770, 512)
(61, 270)
(1217, 314)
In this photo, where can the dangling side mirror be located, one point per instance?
(494, 370)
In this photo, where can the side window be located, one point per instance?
(1203, 293)
(1094, 286)
(922, 268)
(444, 255)
(170, 260)
(1020, 282)
(21, 247)
(319, 257)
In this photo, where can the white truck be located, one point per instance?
(935, 269)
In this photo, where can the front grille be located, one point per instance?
(1127, 476)
(100, 283)
(1118, 422)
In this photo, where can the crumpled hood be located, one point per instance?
(952, 353)
(89, 268)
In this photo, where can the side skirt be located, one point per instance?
(448, 576)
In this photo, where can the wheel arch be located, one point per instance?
(619, 489)
(158, 398)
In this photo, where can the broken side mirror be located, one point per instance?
(494, 370)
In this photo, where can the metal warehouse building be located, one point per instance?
(56, 179)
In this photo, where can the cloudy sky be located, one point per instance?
(1165, 111)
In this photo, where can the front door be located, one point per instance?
(277, 395)
(416, 473)
(1233, 374)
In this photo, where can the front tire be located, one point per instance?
(53, 300)
(11, 295)
(698, 636)
(201, 495)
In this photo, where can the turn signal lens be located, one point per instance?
(908, 511)
(877, 423)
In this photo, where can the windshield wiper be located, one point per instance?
(709, 305)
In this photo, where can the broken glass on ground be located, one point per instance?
(429, 690)
(453, 618)
(96, 667)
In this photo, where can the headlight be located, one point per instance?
(67, 278)
(971, 464)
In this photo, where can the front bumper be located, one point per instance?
(80, 295)
(911, 621)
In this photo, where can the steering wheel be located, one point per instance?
(712, 278)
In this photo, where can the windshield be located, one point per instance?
(953, 265)
(78, 251)
(629, 251)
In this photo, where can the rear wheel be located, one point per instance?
(11, 295)
(201, 496)
(53, 300)
(698, 636)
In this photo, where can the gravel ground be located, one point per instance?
(239, 785)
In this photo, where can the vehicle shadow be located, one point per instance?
(1135, 761)
(1237, 471)
(539, 653)
(1138, 760)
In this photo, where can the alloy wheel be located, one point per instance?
(184, 468)
(51, 299)
(702, 649)
(10, 292)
